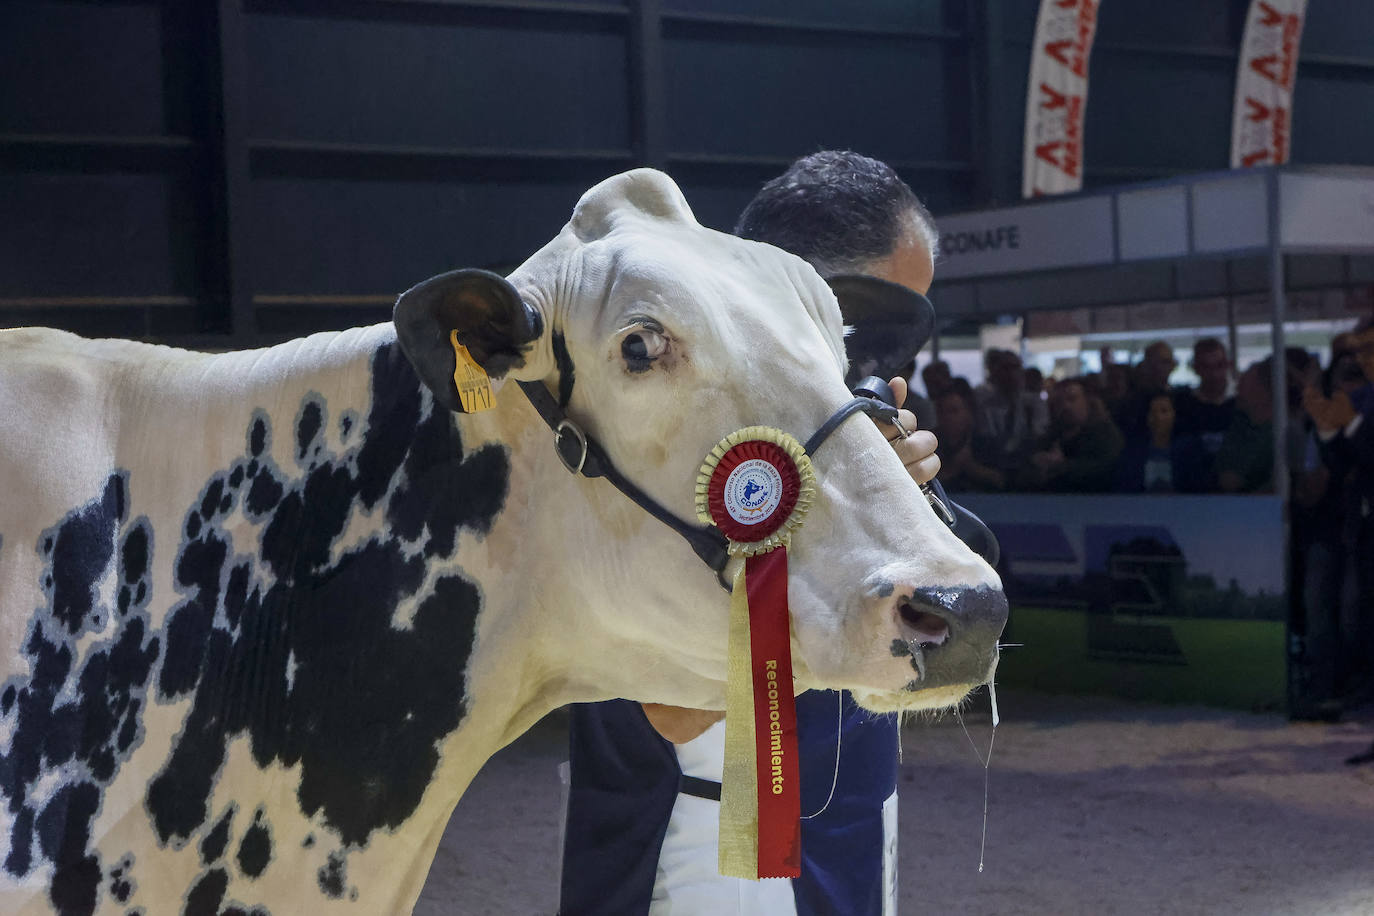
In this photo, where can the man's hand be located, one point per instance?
(678, 724)
(917, 450)
(1329, 414)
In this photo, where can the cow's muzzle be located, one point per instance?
(949, 634)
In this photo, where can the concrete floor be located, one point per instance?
(1096, 807)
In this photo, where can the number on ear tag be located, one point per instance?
(474, 388)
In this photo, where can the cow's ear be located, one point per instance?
(890, 323)
(491, 320)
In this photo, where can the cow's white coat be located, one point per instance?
(585, 596)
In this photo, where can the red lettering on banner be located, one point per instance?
(1290, 50)
(1280, 144)
(1268, 15)
(1073, 128)
(1258, 156)
(1087, 20)
(1258, 110)
(1048, 151)
(1056, 99)
(1065, 4)
(1056, 50)
(1264, 66)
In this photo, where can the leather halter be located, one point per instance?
(583, 455)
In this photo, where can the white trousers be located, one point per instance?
(689, 882)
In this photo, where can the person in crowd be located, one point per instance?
(1166, 460)
(1080, 452)
(923, 407)
(1149, 378)
(1114, 386)
(1325, 609)
(1344, 421)
(956, 411)
(1010, 418)
(643, 808)
(936, 378)
(1245, 460)
(1035, 382)
(1207, 410)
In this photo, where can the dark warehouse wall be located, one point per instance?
(233, 171)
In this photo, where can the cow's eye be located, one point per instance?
(641, 347)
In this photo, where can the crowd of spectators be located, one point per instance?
(1126, 429)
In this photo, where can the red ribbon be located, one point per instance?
(775, 716)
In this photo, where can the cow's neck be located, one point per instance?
(382, 594)
(360, 561)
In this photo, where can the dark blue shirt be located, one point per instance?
(625, 779)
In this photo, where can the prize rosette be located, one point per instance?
(756, 487)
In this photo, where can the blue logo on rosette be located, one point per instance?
(753, 491)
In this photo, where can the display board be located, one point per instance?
(1167, 598)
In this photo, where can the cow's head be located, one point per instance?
(662, 337)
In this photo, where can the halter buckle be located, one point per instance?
(569, 432)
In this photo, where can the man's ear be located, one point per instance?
(890, 321)
(495, 325)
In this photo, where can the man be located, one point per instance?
(1151, 377)
(1011, 420)
(1207, 410)
(1345, 426)
(1081, 450)
(937, 378)
(644, 802)
(1245, 461)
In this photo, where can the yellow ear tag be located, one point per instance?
(474, 388)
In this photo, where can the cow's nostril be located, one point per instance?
(929, 629)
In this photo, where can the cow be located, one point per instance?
(264, 614)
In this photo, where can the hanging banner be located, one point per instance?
(1057, 97)
(1263, 112)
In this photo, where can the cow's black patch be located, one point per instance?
(82, 547)
(207, 894)
(121, 880)
(308, 841)
(188, 628)
(64, 830)
(264, 495)
(358, 702)
(257, 436)
(255, 851)
(20, 858)
(282, 631)
(309, 426)
(213, 844)
(81, 718)
(333, 875)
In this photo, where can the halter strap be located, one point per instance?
(583, 455)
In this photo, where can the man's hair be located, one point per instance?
(839, 211)
(1208, 345)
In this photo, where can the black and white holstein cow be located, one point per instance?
(263, 615)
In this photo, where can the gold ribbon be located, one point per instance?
(739, 800)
